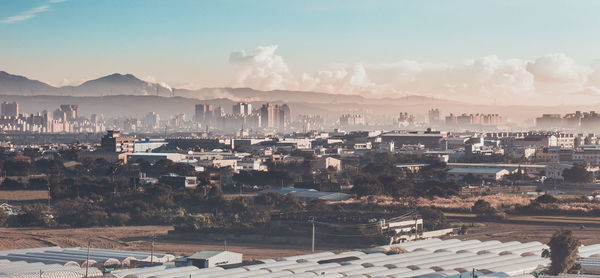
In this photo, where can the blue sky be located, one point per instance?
(190, 41)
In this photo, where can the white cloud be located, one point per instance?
(484, 80)
(262, 69)
(25, 15)
(557, 68)
(31, 13)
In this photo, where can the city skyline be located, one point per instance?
(454, 51)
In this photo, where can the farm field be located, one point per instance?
(23, 195)
(533, 219)
(138, 238)
(134, 238)
(528, 232)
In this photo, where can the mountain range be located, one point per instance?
(128, 84)
(126, 95)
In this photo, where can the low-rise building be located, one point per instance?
(179, 181)
(489, 174)
(213, 258)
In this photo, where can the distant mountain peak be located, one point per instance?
(117, 77)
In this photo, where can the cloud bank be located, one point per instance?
(551, 79)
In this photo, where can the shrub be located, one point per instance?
(546, 199)
(483, 208)
(119, 219)
(395, 250)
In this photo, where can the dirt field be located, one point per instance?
(530, 228)
(134, 238)
(23, 195)
(138, 238)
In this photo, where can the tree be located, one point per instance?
(578, 174)
(35, 215)
(563, 251)
(546, 199)
(119, 219)
(12, 184)
(433, 219)
(3, 217)
(366, 185)
(483, 208)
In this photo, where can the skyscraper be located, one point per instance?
(242, 108)
(71, 111)
(204, 113)
(10, 109)
(273, 116)
(434, 116)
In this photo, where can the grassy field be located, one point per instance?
(23, 195)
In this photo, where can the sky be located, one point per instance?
(501, 52)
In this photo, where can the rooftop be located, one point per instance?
(476, 170)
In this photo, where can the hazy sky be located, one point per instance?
(481, 51)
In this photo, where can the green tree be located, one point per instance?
(433, 219)
(578, 174)
(563, 251)
(366, 185)
(36, 214)
(483, 208)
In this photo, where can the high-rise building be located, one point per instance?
(153, 120)
(10, 109)
(272, 116)
(242, 108)
(114, 142)
(286, 118)
(96, 118)
(352, 120)
(434, 116)
(71, 111)
(204, 113)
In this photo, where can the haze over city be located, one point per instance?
(304, 139)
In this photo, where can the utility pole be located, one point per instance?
(87, 261)
(312, 220)
(152, 249)
(416, 226)
(49, 196)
